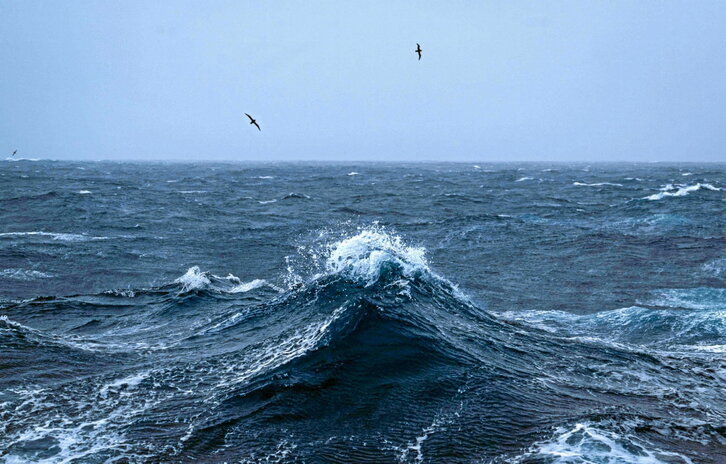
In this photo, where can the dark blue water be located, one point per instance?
(371, 313)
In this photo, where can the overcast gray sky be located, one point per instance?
(338, 80)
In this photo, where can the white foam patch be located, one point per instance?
(597, 184)
(54, 235)
(416, 447)
(716, 267)
(24, 274)
(85, 192)
(266, 202)
(702, 299)
(247, 286)
(281, 454)
(363, 256)
(129, 382)
(587, 444)
(680, 190)
(711, 348)
(81, 432)
(522, 179)
(194, 279)
(352, 173)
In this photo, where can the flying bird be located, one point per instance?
(14, 153)
(418, 50)
(252, 121)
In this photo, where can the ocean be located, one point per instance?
(362, 313)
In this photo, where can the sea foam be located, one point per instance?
(588, 444)
(597, 184)
(363, 256)
(23, 274)
(680, 190)
(54, 235)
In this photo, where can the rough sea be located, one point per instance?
(362, 313)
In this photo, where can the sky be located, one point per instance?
(507, 80)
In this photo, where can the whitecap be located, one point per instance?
(265, 202)
(680, 190)
(194, 279)
(247, 286)
(295, 195)
(22, 159)
(711, 348)
(522, 179)
(703, 298)
(54, 235)
(84, 192)
(597, 184)
(363, 256)
(24, 274)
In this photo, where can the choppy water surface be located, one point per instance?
(305, 313)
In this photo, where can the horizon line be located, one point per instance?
(327, 161)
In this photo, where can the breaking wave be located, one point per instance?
(362, 352)
(680, 190)
(597, 184)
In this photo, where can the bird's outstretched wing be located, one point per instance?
(251, 118)
(258, 127)
(418, 47)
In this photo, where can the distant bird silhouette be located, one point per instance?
(14, 153)
(418, 50)
(252, 121)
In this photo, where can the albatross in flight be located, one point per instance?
(14, 153)
(418, 50)
(252, 121)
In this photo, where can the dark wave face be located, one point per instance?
(382, 313)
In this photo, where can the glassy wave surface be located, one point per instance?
(368, 313)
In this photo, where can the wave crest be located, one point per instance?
(197, 280)
(680, 190)
(367, 255)
(194, 279)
